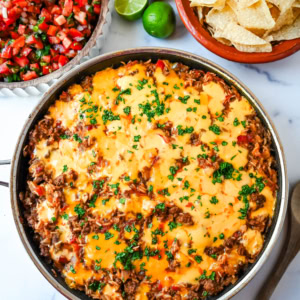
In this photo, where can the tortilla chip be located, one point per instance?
(208, 3)
(254, 48)
(288, 32)
(296, 3)
(257, 16)
(283, 5)
(246, 3)
(238, 34)
(218, 18)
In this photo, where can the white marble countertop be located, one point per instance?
(277, 85)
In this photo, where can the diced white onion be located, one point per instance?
(4, 12)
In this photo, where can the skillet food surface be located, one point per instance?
(150, 180)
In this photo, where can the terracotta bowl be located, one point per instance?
(191, 22)
(41, 84)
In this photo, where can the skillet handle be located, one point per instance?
(4, 162)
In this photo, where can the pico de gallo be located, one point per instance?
(38, 37)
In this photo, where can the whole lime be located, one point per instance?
(159, 19)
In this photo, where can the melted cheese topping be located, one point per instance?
(116, 132)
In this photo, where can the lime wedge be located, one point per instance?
(131, 10)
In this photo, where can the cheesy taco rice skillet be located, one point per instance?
(150, 173)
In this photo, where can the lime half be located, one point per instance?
(130, 9)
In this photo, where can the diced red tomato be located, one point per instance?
(4, 69)
(60, 20)
(44, 26)
(6, 52)
(61, 35)
(175, 288)
(39, 44)
(68, 6)
(62, 60)
(52, 30)
(34, 66)
(244, 139)
(81, 17)
(25, 51)
(40, 190)
(63, 260)
(53, 40)
(160, 64)
(67, 42)
(14, 35)
(46, 14)
(31, 40)
(76, 46)
(29, 75)
(46, 59)
(21, 29)
(56, 10)
(21, 61)
(46, 70)
(97, 8)
(82, 3)
(75, 33)
(19, 42)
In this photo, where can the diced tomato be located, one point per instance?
(39, 44)
(46, 59)
(159, 287)
(62, 60)
(40, 190)
(97, 8)
(25, 51)
(190, 204)
(14, 35)
(244, 139)
(29, 75)
(75, 33)
(15, 51)
(60, 20)
(44, 26)
(63, 260)
(21, 3)
(175, 288)
(68, 6)
(67, 42)
(82, 3)
(55, 66)
(4, 69)
(46, 70)
(56, 10)
(19, 42)
(81, 17)
(52, 30)
(160, 64)
(61, 35)
(21, 29)
(53, 40)
(6, 52)
(34, 66)
(76, 46)
(31, 40)
(46, 14)
(21, 61)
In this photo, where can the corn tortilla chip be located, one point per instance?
(288, 32)
(208, 3)
(218, 18)
(238, 34)
(257, 16)
(253, 48)
(283, 5)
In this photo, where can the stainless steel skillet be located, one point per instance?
(20, 164)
